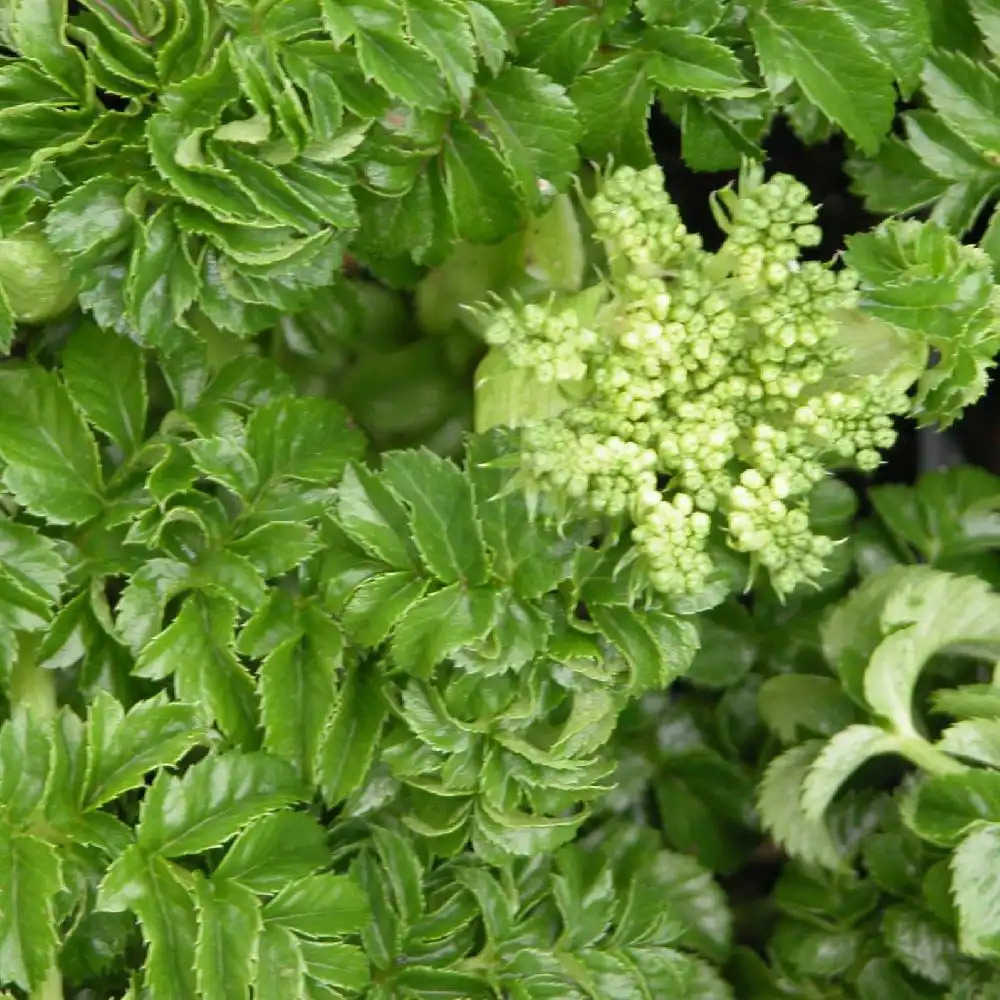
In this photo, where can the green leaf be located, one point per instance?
(8, 325)
(973, 739)
(819, 50)
(480, 187)
(122, 748)
(524, 555)
(797, 705)
(613, 103)
(977, 892)
(212, 801)
(161, 283)
(561, 42)
(491, 37)
(688, 890)
(52, 466)
(378, 603)
(38, 31)
(967, 96)
(947, 807)
(343, 966)
(274, 850)
(402, 70)
(297, 684)
(140, 609)
(426, 716)
(444, 984)
(91, 222)
(926, 613)
(229, 923)
(24, 764)
(877, 179)
(968, 701)
(921, 944)
(694, 64)
(105, 375)
(442, 514)
(780, 804)
(535, 125)
(65, 778)
(404, 872)
(351, 737)
(281, 969)
(442, 30)
(276, 548)
(30, 877)
(301, 439)
(897, 31)
(706, 804)
(697, 16)
(440, 624)
(166, 911)
(223, 460)
(319, 906)
(197, 649)
(838, 760)
(657, 647)
(373, 517)
(32, 578)
(987, 15)
(948, 512)
(584, 891)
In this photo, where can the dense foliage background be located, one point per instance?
(303, 694)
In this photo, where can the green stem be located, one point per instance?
(32, 687)
(928, 757)
(33, 690)
(52, 988)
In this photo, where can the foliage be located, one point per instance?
(214, 163)
(738, 378)
(308, 692)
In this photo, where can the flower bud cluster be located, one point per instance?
(852, 427)
(553, 344)
(777, 535)
(600, 474)
(671, 535)
(696, 441)
(709, 389)
(768, 225)
(638, 224)
(796, 339)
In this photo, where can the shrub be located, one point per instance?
(432, 567)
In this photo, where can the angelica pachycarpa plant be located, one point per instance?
(703, 395)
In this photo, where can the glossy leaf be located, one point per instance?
(51, 457)
(441, 623)
(318, 906)
(830, 62)
(297, 684)
(977, 893)
(442, 516)
(350, 740)
(30, 877)
(123, 747)
(213, 801)
(106, 377)
(274, 850)
(229, 922)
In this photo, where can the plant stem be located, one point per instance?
(52, 988)
(928, 757)
(33, 690)
(32, 687)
